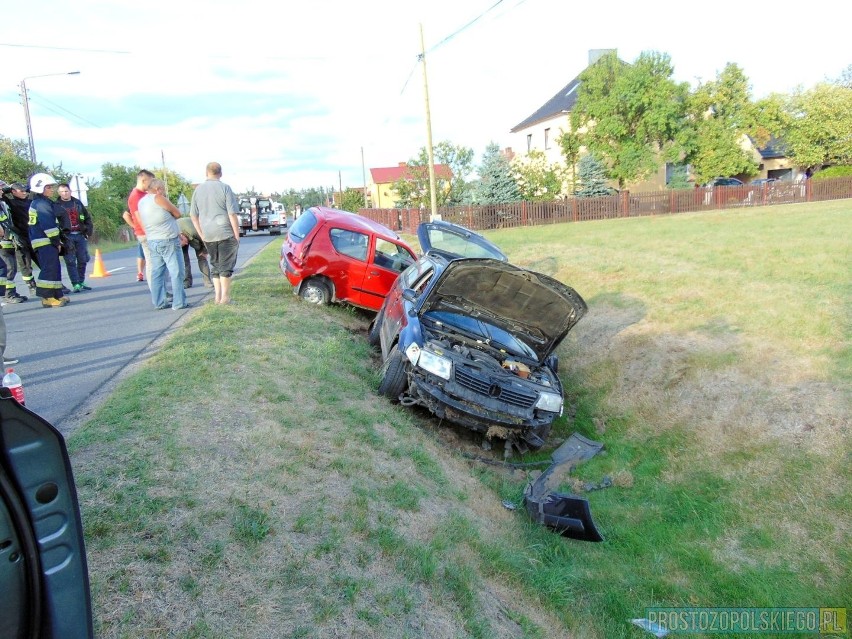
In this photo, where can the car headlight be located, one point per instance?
(549, 402)
(430, 362)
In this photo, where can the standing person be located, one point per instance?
(5, 222)
(7, 253)
(189, 237)
(44, 237)
(78, 231)
(143, 181)
(215, 215)
(159, 217)
(19, 203)
(140, 264)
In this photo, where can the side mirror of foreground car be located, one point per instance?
(44, 577)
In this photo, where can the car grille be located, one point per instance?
(484, 386)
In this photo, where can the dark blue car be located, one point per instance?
(471, 337)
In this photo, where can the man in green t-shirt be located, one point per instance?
(189, 238)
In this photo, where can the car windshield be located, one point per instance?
(302, 226)
(479, 330)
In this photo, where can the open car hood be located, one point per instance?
(535, 308)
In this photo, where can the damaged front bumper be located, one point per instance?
(569, 515)
(450, 400)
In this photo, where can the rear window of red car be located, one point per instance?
(300, 229)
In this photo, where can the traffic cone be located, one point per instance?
(99, 270)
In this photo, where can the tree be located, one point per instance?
(414, 190)
(630, 115)
(496, 183)
(721, 115)
(15, 165)
(679, 178)
(845, 79)
(108, 197)
(818, 129)
(352, 200)
(537, 180)
(592, 177)
(176, 185)
(569, 145)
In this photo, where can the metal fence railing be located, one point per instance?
(624, 204)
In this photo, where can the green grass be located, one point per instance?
(249, 480)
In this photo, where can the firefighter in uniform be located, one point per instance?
(44, 237)
(7, 254)
(19, 203)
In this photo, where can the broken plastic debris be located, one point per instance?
(654, 628)
(508, 505)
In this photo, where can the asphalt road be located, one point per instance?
(71, 356)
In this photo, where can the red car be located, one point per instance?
(337, 256)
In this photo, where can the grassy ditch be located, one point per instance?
(248, 482)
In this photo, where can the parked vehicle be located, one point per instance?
(724, 181)
(471, 337)
(336, 256)
(44, 577)
(277, 222)
(245, 215)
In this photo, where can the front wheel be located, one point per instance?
(394, 376)
(315, 292)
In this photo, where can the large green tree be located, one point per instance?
(818, 127)
(721, 115)
(631, 115)
(496, 183)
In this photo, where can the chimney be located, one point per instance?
(597, 54)
(403, 164)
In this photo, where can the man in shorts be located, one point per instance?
(214, 211)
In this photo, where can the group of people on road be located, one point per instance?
(37, 229)
(212, 231)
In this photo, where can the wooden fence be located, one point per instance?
(624, 204)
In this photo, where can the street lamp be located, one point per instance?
(27, 107)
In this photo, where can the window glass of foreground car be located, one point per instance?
(44, 579)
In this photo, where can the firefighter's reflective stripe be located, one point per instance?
(48, 284)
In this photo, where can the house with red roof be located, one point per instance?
(383, 195)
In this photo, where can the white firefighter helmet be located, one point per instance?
(39, 181)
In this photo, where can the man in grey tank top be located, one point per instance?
(214, 212)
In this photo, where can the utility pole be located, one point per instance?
(26, 99)
(165, 174)
(364, 176)
(429, 151)
(29, 123)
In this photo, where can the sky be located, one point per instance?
(310, 94)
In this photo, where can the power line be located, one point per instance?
(466, 26)
(42, 99)
(38, 46)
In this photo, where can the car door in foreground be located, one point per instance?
(43, 573)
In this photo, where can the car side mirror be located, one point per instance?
(409, 294)
(552, 362)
